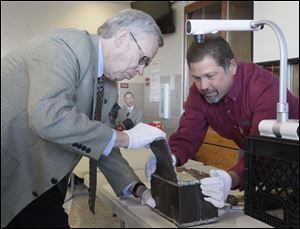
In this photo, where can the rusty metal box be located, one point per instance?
(178, 195)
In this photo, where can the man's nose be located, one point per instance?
(203, 85)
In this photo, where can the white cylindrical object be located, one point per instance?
(265, 127)
(199, 26)
(290, 129)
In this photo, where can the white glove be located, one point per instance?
(216, 187)
(143, 134)
(150, 166)
(147, 198)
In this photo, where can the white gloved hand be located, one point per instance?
(147, 198)
(150, 166)
(216, 187)
(143, 134)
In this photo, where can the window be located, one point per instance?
(293, 73)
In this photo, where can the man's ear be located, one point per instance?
(121, 37)
(233, 67)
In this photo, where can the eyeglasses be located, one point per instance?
(145, 60)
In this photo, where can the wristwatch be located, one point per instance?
(136, 186)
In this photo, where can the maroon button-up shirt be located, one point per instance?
(252, 98)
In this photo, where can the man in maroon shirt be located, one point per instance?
(230, 97)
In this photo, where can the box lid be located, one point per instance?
(164, 167)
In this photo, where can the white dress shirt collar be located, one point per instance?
(130, 108)
(100, 60)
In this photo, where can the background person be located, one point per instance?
(130, 114)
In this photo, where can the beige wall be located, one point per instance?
(23, 20)
(286, 15)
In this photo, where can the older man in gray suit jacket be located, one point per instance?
(130, 115)
(48, 97)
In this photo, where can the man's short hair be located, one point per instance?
(128, 93)
(214, 46)
(138, 22)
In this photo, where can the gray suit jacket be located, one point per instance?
(48, 91)
(136, 115)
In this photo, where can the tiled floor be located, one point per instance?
(81, 217)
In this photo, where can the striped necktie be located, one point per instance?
(93, 163)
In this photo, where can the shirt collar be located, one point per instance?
(235, 88)
(130, 108)
(100, 60)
